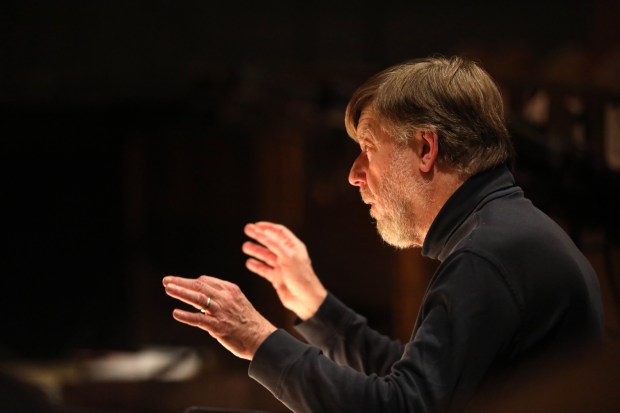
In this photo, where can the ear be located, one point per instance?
(428, 149)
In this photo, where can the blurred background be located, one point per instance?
(137, 138)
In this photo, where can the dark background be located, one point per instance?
(138, 137)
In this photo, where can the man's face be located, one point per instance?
(386, 175)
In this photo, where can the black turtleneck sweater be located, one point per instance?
(510, 286)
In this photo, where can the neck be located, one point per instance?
(442, 184)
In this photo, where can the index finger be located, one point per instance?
(189, 283)
(173, 279)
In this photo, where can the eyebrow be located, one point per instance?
(366, 134)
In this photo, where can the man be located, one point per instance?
(510, 287)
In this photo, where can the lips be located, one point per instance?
(365, 198)
(369, 201)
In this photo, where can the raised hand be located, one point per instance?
(282, 259)
(224, 312)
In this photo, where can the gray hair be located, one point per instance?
(452, 96)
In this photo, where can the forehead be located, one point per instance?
(368, 126)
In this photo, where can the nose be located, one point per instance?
(357, 174)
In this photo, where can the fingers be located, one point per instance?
(277, 238)
(199, 284)
(260, 253)
(258, 233)
(280, 233)
(187, 317)
(260, 268)
(203, 321)
(193, 292)
(262, 260)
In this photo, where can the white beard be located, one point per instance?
(398, 223)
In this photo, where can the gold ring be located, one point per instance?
(204, 310)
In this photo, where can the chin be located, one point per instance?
(396, 238)
(402, 245)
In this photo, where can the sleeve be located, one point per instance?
(467, 323)
(345, 337)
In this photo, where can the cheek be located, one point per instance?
(376, 173)
(373, 183)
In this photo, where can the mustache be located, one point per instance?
(365, 194)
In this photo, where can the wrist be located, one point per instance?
(313, 304)
(261, 336)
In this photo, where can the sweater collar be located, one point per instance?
(460, 206)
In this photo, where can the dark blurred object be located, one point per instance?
(566, 158)
(584, 381)
(567, 140)
(62, 221)
(196, 409)
(19, 397)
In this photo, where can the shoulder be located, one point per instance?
(474, 280)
